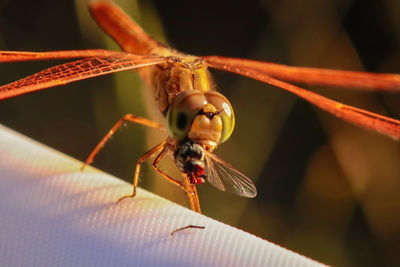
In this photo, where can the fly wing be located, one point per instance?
(225, 177)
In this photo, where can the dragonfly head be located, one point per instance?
(203, 118)
(189, 157)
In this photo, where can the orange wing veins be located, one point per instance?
(360, 117)
(17, 56)
(77, 70)
(328, 77)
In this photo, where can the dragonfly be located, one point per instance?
(197, 118)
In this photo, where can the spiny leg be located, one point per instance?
(126, 118)
(166, 176)
(189, 188)
(142, 159)
(191, 193)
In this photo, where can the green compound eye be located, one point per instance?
(225, 113)
(182, 112)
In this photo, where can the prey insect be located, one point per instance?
(197, 117)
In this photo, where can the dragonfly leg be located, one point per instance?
(189, 188)
(126, 118)
(163, 174)
(142, 159)
(192, 195)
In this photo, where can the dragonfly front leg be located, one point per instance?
(142, 159)
(189, 188)
(126, 118)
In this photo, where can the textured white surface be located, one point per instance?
(51, 214)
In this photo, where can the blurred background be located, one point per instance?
(326, 189)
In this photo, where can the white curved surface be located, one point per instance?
(51, 214)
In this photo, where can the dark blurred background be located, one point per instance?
(327, 189)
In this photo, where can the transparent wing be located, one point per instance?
(225, 177)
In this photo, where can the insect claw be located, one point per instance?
(124, 197)
(83, 166)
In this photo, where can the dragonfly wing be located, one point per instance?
(77, 70)
(120, 27)
(17, 56)
(225, 177)
(360, 117)
(328, 77)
